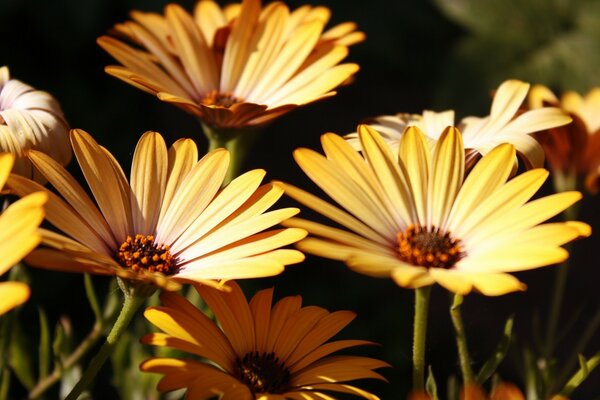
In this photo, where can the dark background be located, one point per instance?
(418, 55)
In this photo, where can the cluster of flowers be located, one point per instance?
(422, 199)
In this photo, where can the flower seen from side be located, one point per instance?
(18, 236)
(233, 67)
(30, 119)
(256, 351)
(506, 123)
(573, 150)
(170, 223)
(417, 219)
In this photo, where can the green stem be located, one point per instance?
(237, 141)
(419, 337)
(461, 340)
(130, 306)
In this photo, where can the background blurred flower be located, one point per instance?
(170, 223)
(480, 135)
(417, 219)
(30, 119)
(573, 150)
(18, 236)
(256, 351)
(234, 67)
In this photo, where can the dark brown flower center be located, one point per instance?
(263, 373)
(429, 247)
(142, 253)
(215, 98)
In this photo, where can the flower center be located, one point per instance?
(215, 98)
(142, 253)
(263, 373)
(429, 247)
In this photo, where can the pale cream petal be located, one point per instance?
(536, 120)
(389, 172)
(446, 176)
(507, 100)
(183, 155)
(332, 212)
(538, 95)
(209, 18)
(12, 294)
(376, 265)
(411, 277)
(453, 281)
(194, 194)
(490, 173)
(106, 183)
(244, 268)
(496, 284)
(148, 180)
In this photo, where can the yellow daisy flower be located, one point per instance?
(255, 351)
(417, 219)
(18, 225)
(507, 123)
(170, 223)
(239, 66)
(30, 119)
(573, 151)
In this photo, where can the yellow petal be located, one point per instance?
(12, 294)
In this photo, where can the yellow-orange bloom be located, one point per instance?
(416, 218)
(30, 119)
(573, 150)
(18, 236)
(170, 223)
(239, 66)
(255, 351)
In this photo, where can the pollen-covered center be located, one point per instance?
(429, 247)
(263, 373)
(142, 252)
(215, 98)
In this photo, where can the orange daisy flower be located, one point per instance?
(256, 351)
(239, 66)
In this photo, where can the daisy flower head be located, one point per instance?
(30, 119)
(18, 236)
(573, 150)
(506, 123)
(256, 351)
(238, 66)
(416, 218)
(170, 223)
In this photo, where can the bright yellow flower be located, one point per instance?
(417, 219)
(255, 351)
(30, 119)
(170, 223)
(18, 236)
(480, 135)
(240, 66)
(573, 151)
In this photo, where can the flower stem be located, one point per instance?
(419, 336)
(237, 141)
(461, 340)
(130, 306)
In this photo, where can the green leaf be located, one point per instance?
(20, 359)
(4, 383)
(488, 369)
(430, 385)
(92, 297)
(579, 377)
(44, 346)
